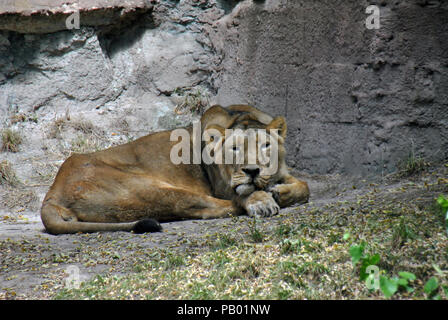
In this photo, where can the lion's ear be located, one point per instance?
(215, 131)
(278, 123)
(216, 115)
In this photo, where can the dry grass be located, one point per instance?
(23, 198)
(45, 171)
(85, 144)
(23, 117)
(79, 124)
(11, 139)
(193, 102)
(7, 174)
(87, 136)
(411, 166)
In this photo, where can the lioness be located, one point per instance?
(133, 186)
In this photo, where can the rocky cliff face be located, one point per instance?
(357, 101)
(118, 77)
(129, 63)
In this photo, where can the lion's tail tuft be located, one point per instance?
(147, 225)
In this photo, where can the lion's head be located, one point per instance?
(247, 149)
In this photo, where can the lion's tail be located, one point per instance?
(51, 215)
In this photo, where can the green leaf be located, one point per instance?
(366, 262)
(445, 289)
(402, 282)
(346, 236)
(431, 285)
(438, 270)
(362, 271)
(356, 253)
(375, 259)
(407, 275)
(442, 202)
(388, 286)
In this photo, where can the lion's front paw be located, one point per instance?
(290, 194)
(261, 204)
(281, 193)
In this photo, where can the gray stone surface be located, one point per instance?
(44, 16)
(357, 101)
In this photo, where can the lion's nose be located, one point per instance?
(252, 171)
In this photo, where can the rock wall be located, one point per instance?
(120, 76)
(357, 101)
(128, 66)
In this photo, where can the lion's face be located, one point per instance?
(255, 167)
(252, 153)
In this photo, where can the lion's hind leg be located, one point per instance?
(215, 208)
(170, 202)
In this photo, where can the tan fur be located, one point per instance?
(111, 190)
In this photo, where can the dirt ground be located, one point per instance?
(33, 264)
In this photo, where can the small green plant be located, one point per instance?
(224, 241)
(11, 140)
(402, 232)
(443, 204)
(256, 235)
(288, 245)
(436, 285)
(431, 287)
(291, 245)
(357, 252)
(389, 286)
(283, 230)
(173, 261)
(412, 165)
(405, 279)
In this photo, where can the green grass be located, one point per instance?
(403, 231)
(412, 165)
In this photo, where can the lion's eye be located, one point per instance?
(265, 146)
